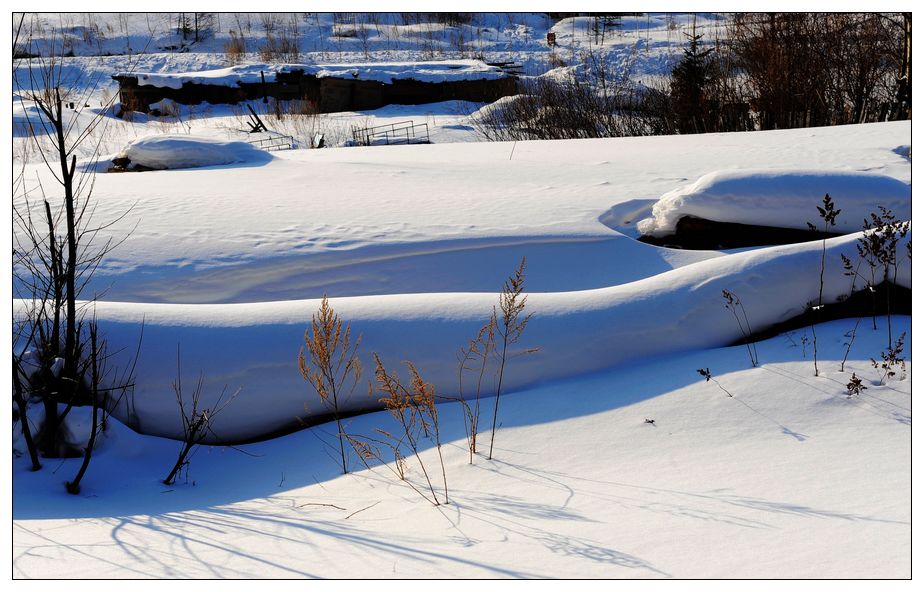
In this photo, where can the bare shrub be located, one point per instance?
(452, 19)
(270, 21)
(510, 326)
(280, 47)
(196, 421)
(854, 273)
(414, 408)
(331, 366)
(235, 48)
(879, 247)
(597, 103)
(475, 359)
(733, 303)
(891, 361)
(829, 215)
(811, 69)
(855, 386)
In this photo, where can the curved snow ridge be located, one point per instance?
(781, 198)
(254, 347)
(180, 151)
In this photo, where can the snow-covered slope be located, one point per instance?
(356, 221)
(649, 43)
(250, 249)
(253, 347)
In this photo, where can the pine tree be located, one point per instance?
(689, 80)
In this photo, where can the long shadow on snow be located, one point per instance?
(556, 263)
(125, 479)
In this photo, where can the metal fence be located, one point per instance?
(402, 132)
(274, 143)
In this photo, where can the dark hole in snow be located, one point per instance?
(701, 234)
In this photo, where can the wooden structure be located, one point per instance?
(329, 94)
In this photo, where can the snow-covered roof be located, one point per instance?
(437, 71)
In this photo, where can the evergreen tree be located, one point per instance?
(689, 80)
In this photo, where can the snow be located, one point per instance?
(170, 151)
(488, 112)
(417, 268)
(782, 198)
(788, 479)
(578, 332)
(224, 264)
(462, 214)
(648, 46)
(386, 73)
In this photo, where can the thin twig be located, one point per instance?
(363, 510)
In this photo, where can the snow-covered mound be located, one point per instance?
(254, 346)
(184, 152)
(490, 111)
(780, 198)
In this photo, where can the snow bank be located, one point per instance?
(384, 72)
(781, 198)
(489, 112)
(184, 152)
(254, 346)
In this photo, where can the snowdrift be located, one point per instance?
(254, 346)
(171, 151)
(494, 110)
(780, 198)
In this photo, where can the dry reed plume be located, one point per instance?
(331, 363)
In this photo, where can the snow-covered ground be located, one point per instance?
(614, 457)
(651, 42)
(644, 48)
(788, 479)
(771, 483)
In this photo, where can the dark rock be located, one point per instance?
(121, 162)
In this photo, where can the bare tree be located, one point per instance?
(811, 69)
(57, 244)
(95, 371)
